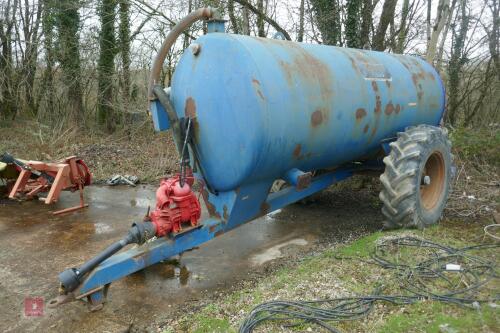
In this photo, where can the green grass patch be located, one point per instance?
(361, 247)
(435, 317)
(207, 321)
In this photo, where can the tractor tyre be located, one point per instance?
(417, 178)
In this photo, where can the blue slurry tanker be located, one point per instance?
(247, 111)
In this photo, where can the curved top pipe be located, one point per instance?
(199, 14)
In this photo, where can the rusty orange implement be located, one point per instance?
(69, 174)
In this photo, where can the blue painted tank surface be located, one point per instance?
(265, 106)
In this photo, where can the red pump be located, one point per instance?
(175, 205)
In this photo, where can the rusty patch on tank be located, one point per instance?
(378, 105)
(297, 150)
(414, 78)
(190, 108)
(307, 69)
(256, 85)
(398, 108)
(360, 114)
(218, 233)
(389, 108)
(317, 118)
(366, 128)
(420, 94)
(375, 86)
(225, 214)
(260, 94)
(212, 228)
(212, 211)
(388, 83)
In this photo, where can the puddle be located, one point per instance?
(275, 251)
(35, 246)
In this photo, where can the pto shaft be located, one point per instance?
(139, 232)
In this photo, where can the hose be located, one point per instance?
(422, 280)
(154, 78)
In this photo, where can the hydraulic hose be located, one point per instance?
(139, 232)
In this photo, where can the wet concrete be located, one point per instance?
(35, 246)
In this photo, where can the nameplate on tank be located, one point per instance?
(374, 71)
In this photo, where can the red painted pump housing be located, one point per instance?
(175, 205)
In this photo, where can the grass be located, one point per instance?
(432, 317)
(339, 268)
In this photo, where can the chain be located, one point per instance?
(182, 160)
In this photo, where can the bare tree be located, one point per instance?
(300, 33)
(106, 65)
(403, 27)
(232, 16)
(124, 41)
(248, 6)
(442, 16)
(457, 60)
(494, 35)
(386, 17)
(444, 35)
(8, 80)
(261, 32)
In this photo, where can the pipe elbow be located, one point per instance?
(199, 14)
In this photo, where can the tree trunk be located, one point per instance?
(187, 40)
(403, 29)
(232, 17)
(428, 21)
(106, 65)
(30, 32)
(260, 19)
(456, 63)
(8, 80)
(493, 36)
(300, 33)
(327, 14)
(246, 21)
(68, 45)
(445, 34)
(385, 19)
(366, 24)
(48, 45)
(442, 16)
(352, 25)
(124, 35)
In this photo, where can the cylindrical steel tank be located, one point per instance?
(265, 106)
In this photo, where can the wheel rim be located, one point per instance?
(434, 175)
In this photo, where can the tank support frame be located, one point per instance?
(227, 210)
